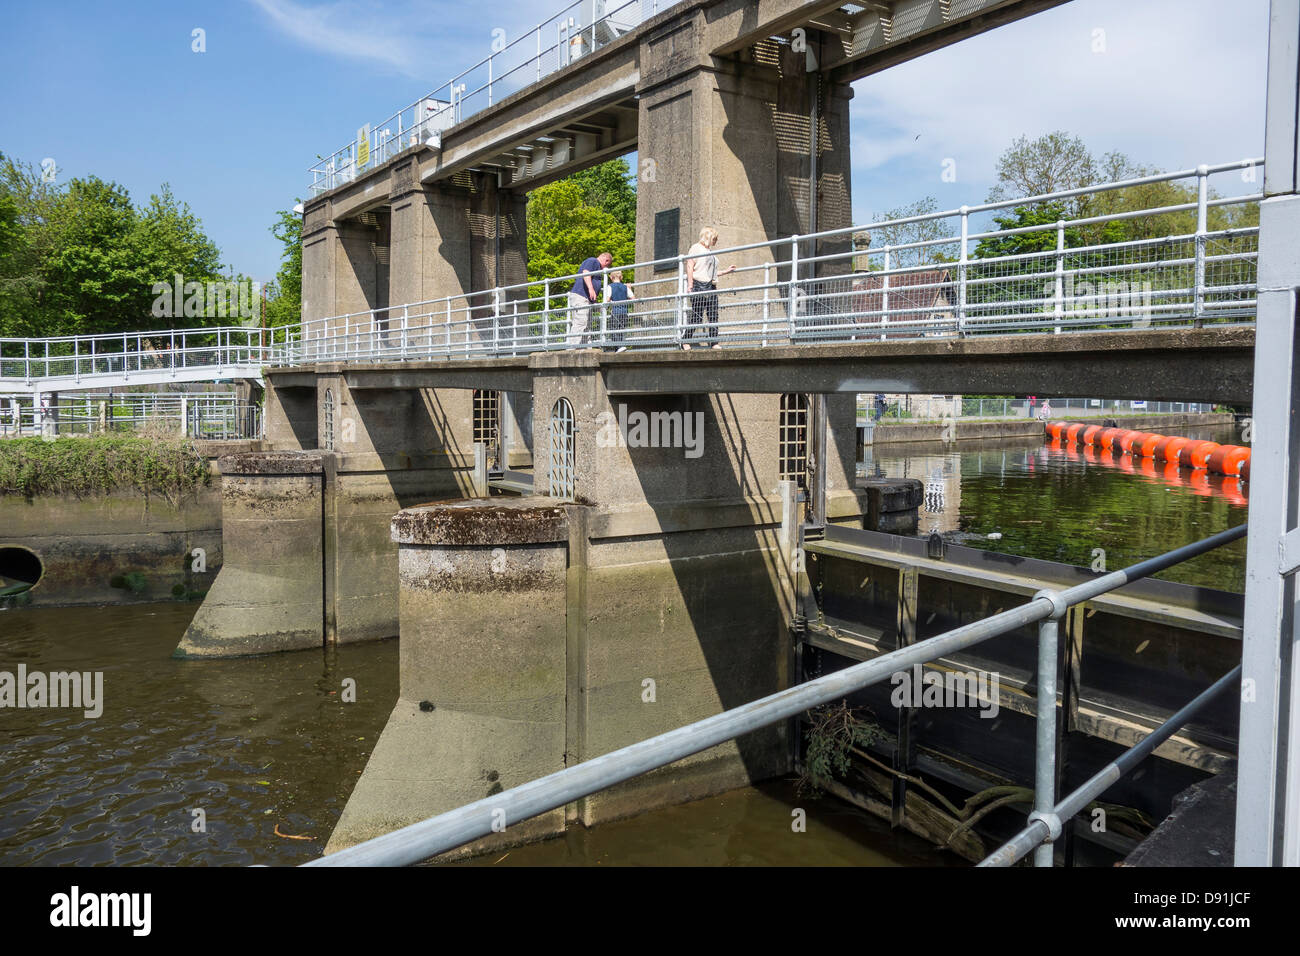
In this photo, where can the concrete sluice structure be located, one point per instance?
(651, 590)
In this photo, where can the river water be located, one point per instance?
(251, 760)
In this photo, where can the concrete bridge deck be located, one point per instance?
(1212, 364)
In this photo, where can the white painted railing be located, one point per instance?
(795, 290)
(575, 32)
(819, 289)
(143, 358)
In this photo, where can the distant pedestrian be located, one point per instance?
(1045, 412)
(881, 405)
(584, 294)
(618, 295)
(701, 284)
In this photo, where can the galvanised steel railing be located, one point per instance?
(1193, 263)
(942, 279)
(428, 838)
(205, 415)
(147, 356)
(576, 31)
(935, 408)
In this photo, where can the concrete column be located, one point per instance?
(731, 145)
(482, 705)
(446, 240)
(345, 262)
(268, 595)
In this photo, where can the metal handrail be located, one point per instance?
(446, 831)
(342, 165)
(1044, 290)
(1046, 827)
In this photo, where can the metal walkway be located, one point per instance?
(944, 274)
(34, 366)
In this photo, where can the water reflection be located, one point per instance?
(1060, 503)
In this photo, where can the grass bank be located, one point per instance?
(98, 464)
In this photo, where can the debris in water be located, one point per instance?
(290, 836)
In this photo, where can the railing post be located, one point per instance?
(681, 293)
(496, 321)
(767, 298)
(884, 298)
(1045, 728)
(603, 313)
(447, 327)
(961, 272)
(539, 51)
(793, 309)
(1202, 218)
(406, 323)
(546, 307)
(1058, 309)
(514, 328)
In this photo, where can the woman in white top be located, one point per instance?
(701, 284)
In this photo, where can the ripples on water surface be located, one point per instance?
(257, 743)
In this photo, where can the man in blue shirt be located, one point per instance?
(584, 294)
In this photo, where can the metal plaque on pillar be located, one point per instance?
(668, 227)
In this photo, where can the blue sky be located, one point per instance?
(115, 89)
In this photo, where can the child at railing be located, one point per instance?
(617, 295)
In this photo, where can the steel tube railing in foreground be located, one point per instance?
(428, 838)
(1046, 827)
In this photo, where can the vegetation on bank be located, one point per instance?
(98, 464)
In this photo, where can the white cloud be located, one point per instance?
(347, 29)
(1181, 82)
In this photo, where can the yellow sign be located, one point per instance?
(363, 146)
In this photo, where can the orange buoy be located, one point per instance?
(1073, 431)
(1054, 429)
(1227, 460)
(1159, 453)
(1245, 470)
(1185, 453)
(1132, 441)
(1090, 434)
(1107, 436)
(1201, 452)
(1172, 448)
(1147, 448)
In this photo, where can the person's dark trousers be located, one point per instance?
(704, 304)
(617, 325)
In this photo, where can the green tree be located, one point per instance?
(1051, 163)
(563, 230)
(284, 298)
(609, 187)
(81, 258)
(908, 233)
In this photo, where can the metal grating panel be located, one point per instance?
(562, 480)
(327, 440)
(792, 453)
(487, 423)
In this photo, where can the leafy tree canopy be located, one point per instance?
(565, 226)
(81, 258)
